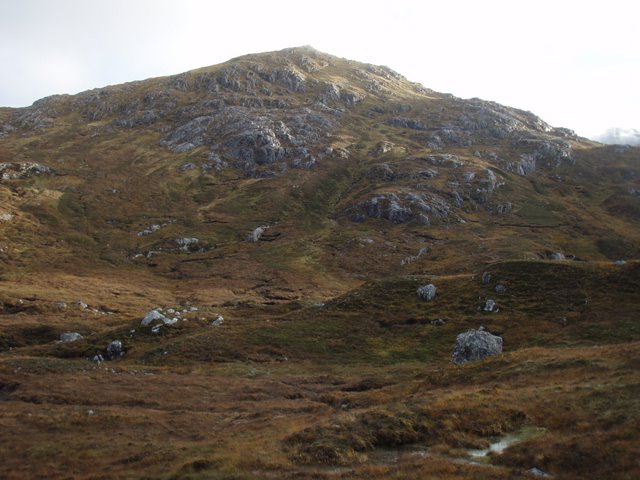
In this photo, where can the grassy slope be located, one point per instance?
(272, 392)
(264, 392)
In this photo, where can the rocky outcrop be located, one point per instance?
(476, 345)
(13, 171)
(256, 141)
(421, 207)
(404, 122)
(542, 152)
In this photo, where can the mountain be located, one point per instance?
(620, 136)
(279, 212)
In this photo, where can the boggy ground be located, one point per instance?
(359, 387)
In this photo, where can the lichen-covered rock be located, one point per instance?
(427, 292)
(476, 345)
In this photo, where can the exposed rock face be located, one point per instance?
(476, 345)
(421, 207)
(70, 337)
(254, 139)
(427, 292)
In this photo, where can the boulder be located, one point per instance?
(427, 292)
(255, 236)
(490, 306)
(219, 320)
(70, 337)
(115, 350)
(476, 345)
(156, 316)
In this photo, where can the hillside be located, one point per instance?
(288, 205)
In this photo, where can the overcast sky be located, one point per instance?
(574, 63)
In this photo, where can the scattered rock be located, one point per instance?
(255, 236)
(620, 262)
(501, 289)
(504, 208)
(438, 322)
(476, 345)
(70, 337)
(98, 358)
(413, 258)
(427, 292)
(536, 472)
(219, 320)
(149, 230)
(557, 256)
(187, 244)
(155, 315)
(486, 278)
(115, 350)
(490, 306)
(6, 217)
(382, 147)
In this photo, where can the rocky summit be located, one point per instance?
(259, 269)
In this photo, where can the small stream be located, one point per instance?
(500, 444)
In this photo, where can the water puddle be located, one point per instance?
(500, 444)
(386, 456)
